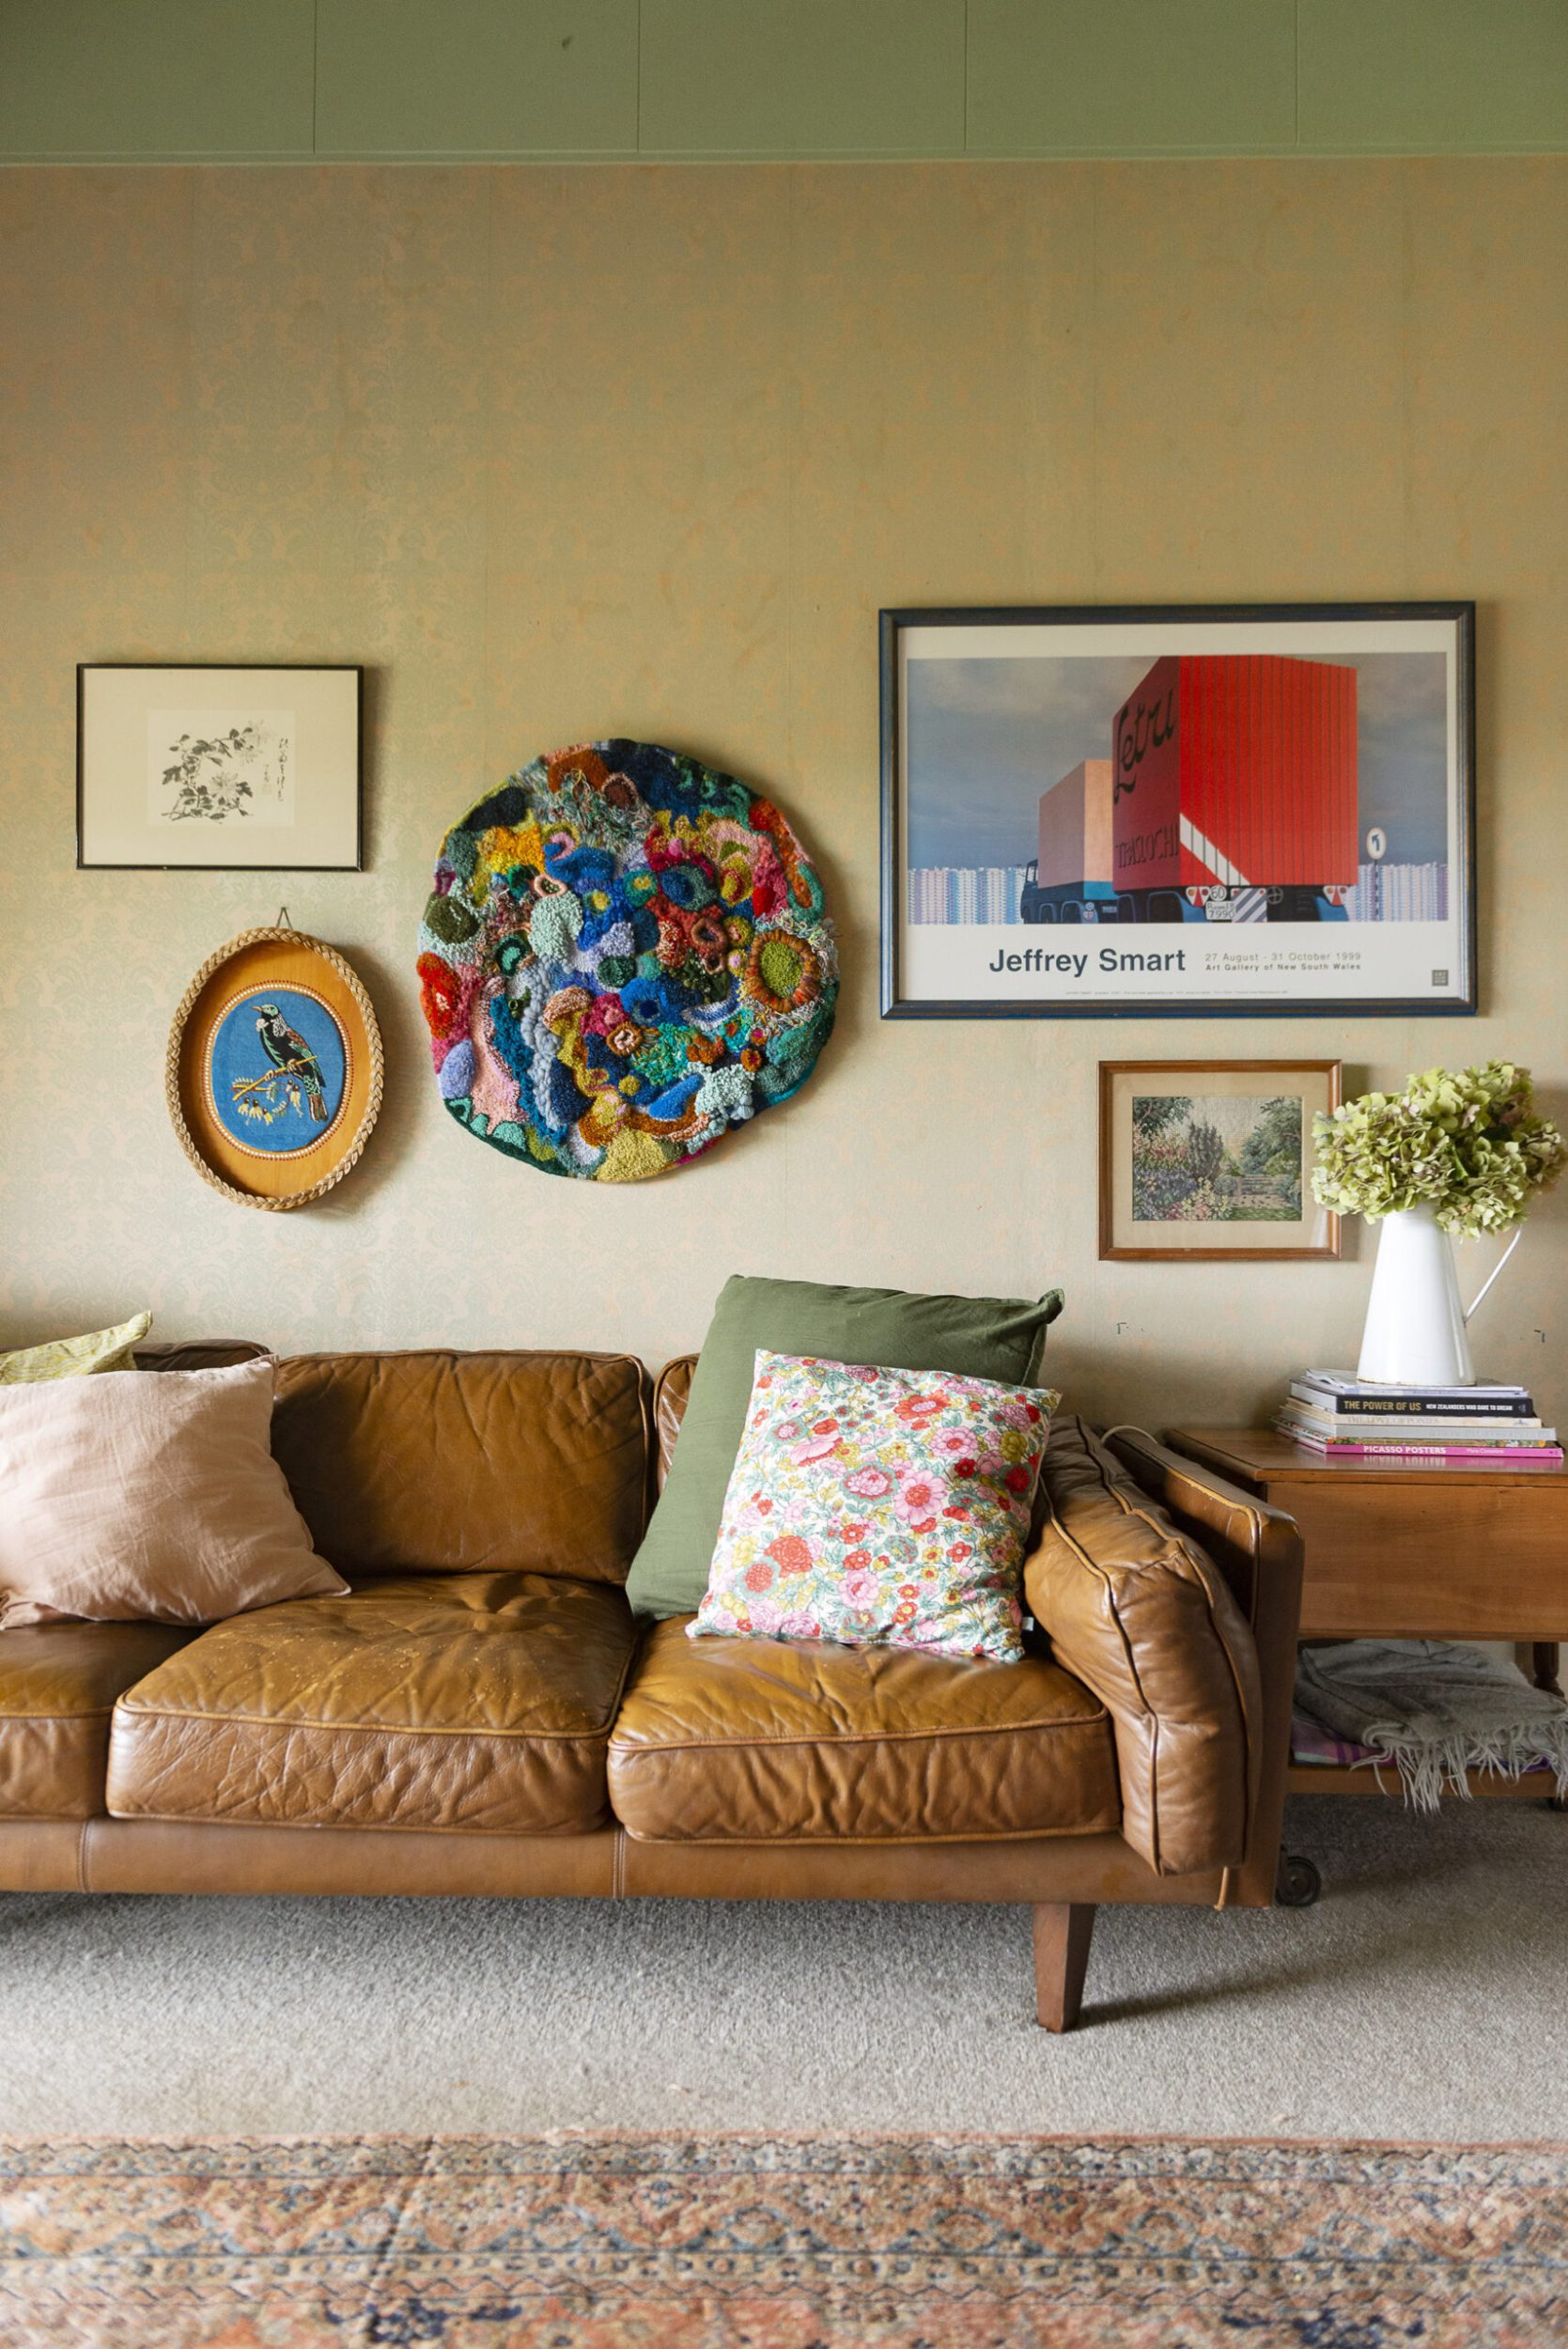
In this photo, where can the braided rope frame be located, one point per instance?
(176, 1037)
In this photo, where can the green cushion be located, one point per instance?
(980, 1337)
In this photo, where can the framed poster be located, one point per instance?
(1210, 1160)
(1255, 810)
(225, 768)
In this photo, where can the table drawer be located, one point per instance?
(1467, 1562)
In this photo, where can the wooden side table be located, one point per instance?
(1409, 1549)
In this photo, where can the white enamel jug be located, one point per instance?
(1415, 1334)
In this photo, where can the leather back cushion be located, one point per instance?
(198, 1354)
(450, 1463)
(671, 1394)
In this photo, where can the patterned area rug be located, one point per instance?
(622, 2242)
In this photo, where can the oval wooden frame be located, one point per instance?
(271, 958)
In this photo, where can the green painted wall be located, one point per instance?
(607, 80)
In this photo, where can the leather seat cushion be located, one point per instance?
(58, 1682)
(472, 1701)
(763, 1740)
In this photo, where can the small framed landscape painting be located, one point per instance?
(1208, 1159)
(1097, 813)
(224, 769)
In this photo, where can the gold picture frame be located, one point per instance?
(273, 1071)
(1205, 1150)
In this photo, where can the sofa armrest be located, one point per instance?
(1125, 1583)
(1260, 1552)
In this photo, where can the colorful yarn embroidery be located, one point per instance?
(625, 952)
(878, 1507)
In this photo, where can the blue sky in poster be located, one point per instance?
(985, 737)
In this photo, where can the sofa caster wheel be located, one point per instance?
(1298, 1883)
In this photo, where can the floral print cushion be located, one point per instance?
(878, 1507)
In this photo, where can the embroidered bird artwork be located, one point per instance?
(292, 1057)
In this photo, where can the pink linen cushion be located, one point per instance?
(124, 1498)
(878, 1507)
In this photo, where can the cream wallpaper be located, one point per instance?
(561, 453)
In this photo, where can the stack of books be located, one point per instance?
(1335, 1413)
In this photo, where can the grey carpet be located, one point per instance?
(1424, 1998)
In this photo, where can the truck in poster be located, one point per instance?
(1229, 795)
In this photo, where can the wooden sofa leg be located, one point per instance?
(1062, 1936)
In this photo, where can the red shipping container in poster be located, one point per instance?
(1236, 768)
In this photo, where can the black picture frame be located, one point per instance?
(346, 864)
(1459, 997)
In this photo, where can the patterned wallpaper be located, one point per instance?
(565, 453)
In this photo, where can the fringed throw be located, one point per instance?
(1435, 1709)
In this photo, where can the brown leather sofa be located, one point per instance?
(480, 1715)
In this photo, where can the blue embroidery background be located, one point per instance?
(237, 1053)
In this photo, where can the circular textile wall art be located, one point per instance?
(624, 954)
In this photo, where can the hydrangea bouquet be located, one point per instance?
(1469, 1143)
(1456, 1154)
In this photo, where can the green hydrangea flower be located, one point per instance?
(1469, 1143)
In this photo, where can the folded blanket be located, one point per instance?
(1435, 1709)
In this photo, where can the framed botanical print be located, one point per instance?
(1226, 811)
(224, 769)
(1213, 1159)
